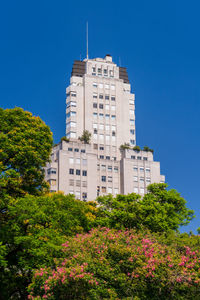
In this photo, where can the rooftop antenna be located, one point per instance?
(87, 37)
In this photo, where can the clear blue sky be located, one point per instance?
(159, 43)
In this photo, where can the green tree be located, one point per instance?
(25, 146)
(35, 229)
(160, 210)
(86, 136)
(124, 264)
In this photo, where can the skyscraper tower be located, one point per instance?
(99, 100)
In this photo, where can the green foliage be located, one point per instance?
(137, 148)
(64, 138)
(86, 136)
(159, 210)
(125, 146)
(33, 233)
(108, 264)
(25, 146)
(146, 148)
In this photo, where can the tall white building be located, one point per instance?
(99, 100)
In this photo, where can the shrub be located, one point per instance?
(109, 264)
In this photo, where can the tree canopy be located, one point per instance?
(25, 146)
(160, 210)
(33, 233)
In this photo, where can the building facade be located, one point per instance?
(99, 100)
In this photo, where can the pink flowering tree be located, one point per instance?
(110, 264)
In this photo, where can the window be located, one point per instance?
(107, 97)
(132, 131)
(84, 196)
(132, 122)
(105, 71)
(106, 86)
(78, 172)
(101, 116)
(94, 95)
(107, 106)
(145, 158)
(84, 183)
(131, 102)
(100, 96)
(72, 134)
(132, 142)
(78, 183)
(103, 189)
(111, 73)
(71, 171)
(101, 136)
(78, 161)
(95, 115)
(131, 112)
(109, 178)
(94, 105)
(107, 117)
(101, 106)
(98, 190)
(142, 191)
(95, 84)
(113, 138)
(94, 69)
(135, 190)
(107, 138)
(100, 85)
(71, 160)
(116, 191)
(113, 98)
(76, 150)
(113, 108)
(112, 87)
(116, 169)
(103, 178)
(82, 150)
(108, 157)
(99, 70)
(95, 136)
(139, 157)
(84, 173)
(101, 148)
(84, 162)
(109, 190)
(51, 171)
(101, 156)
(141, 169)
(78, 194)
(70, 149)
(107, 127)
(110, 168)
(101, 126)
(73, 94)
(95, 146)
(148, 170)
(73, 113)
(103, 167)
(135, 178)
(113, 117)
(95, 126)
(132, 157)
(148, 179)
(135, 168)
(141, 179)
(71, 182)
(114, 158)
